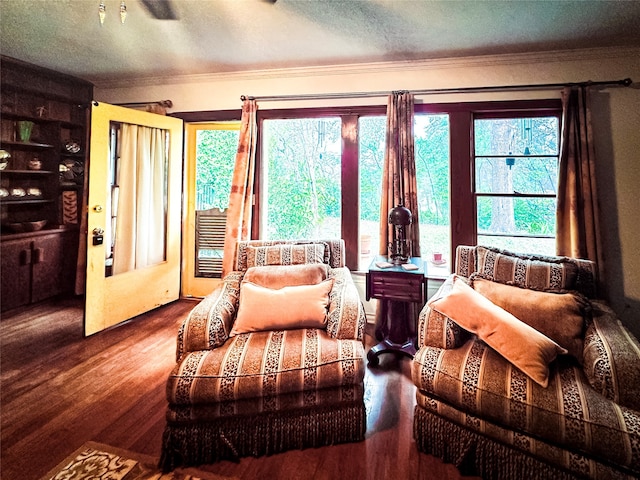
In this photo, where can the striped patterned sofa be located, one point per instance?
(476, 410)
(262, 392)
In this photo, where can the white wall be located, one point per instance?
(616, 120)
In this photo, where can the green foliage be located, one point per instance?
(432, 168)
(302, 177)
(371, 133)
(215, 161)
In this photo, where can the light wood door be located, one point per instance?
(114, 298)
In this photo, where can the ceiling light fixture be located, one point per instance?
(123, 12)
(102, 12)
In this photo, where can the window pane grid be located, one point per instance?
(460, 148)
(515, 182)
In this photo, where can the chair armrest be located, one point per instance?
(438, 330)
(612, 358)
(209, 323)
(346, 319)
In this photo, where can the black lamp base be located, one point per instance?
(399, 252)
(398, 259)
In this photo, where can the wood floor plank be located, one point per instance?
(59, 390)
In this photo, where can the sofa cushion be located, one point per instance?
(612, 358)
(436, 329)
(479, 437)
(522, 345)
(527, 271)
(560, 316)
(346, 318)
(287, 254)
(334, 250)
(325, 397)
(266, 363)
(210, 321)
(476, 381)
(300, 306)
(278, 276)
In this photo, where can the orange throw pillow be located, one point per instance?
(560, 316)
(302, 306)
(520, 344)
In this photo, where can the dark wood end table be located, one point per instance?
(395, 287)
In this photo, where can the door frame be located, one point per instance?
(193, 286)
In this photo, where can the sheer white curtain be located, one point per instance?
(141, 202)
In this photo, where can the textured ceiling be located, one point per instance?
(212, 36)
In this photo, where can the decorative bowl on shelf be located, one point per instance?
(34, 192)
(72, 147)
(4, 159)
(4, 193)
(18, 192)
(34, 226)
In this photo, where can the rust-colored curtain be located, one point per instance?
(399, 185)
(240, 200)
(578, 229)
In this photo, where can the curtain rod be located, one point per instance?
(437, 91)
(162, 103)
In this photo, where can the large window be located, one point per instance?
(486, 172)
(300, 192)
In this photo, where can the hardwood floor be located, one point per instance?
(59, 390)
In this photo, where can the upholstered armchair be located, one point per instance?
(272, 360)
(521, 372)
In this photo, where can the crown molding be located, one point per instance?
(555, 56)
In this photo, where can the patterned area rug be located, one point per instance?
(96, 461)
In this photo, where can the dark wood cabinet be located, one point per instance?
(43, 154)
(37, 266)
(16, 274)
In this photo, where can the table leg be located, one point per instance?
(398, 338)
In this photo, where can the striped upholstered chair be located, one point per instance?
(574, 415)
(246, 382)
